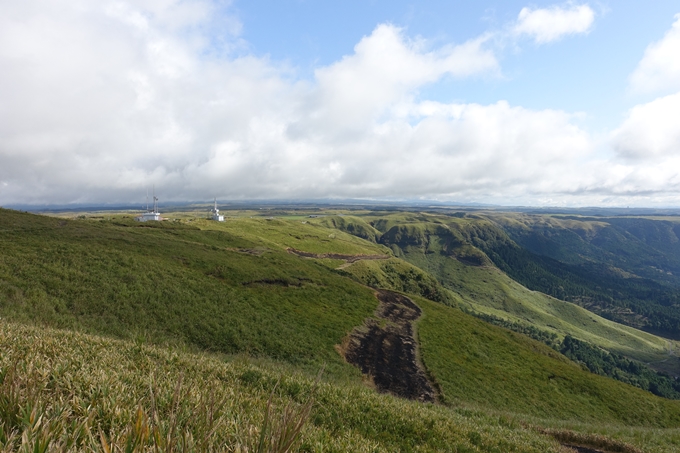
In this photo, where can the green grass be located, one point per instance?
(64, 390)
(399, 275)
(281, 233)
(352, 225)
(233, 288)
(488, 290)
(177, 284)
(468, 357)
(441, 246)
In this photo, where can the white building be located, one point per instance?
(145, 217)
(150, 215)
(215, 213)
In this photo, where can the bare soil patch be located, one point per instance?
(385, 349)
(298, 282)
(337, 256)
(578, 449)
(588, 443)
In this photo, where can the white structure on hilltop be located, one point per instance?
(150, 215)
(215, 213)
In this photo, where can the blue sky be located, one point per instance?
(587, 73)
(538, 103)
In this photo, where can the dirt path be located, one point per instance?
(385, 349)
(349, 259)
(578, 449)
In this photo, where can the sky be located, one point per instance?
(510, 103)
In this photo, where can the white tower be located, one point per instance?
(215, 213)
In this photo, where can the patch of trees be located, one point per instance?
(549, 338)
(620, 368)
(596, 360)
(591, 285)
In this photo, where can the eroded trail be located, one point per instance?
(337, 256)
(385, 349)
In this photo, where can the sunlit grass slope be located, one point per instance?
(468, 357)
(314, 237)
(352, 225)
(399, 275)
(72, 392)
(488, 290)
(442, 247)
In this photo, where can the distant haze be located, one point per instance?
(544, 104)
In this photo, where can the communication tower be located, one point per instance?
(215, 213)
(150, 215)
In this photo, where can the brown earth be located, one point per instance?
(337, 256)
(582, 449)
(385, 349)
(587, 443)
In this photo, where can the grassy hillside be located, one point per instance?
(443, 247)
(648, 248)
(234, 288)
(626, 269)
(488, 290)
(399, 275)
(623, 268)
(352, 225)
(526, 376)
(68, 391)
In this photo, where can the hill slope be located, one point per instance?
(83, 389)
(234, 288)
(445, 248)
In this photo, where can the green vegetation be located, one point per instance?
(352, 225)
(596, 360)
(548, 338)
(215, 290)
(620, 368)
(195, 286)
(398, 275)
(67, 391)
(439, 245)
(467, 357)
(626, 269)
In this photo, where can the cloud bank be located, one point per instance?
(100, 101)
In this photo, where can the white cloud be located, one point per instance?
(659, 68)
(386, 68)
(545, 25)
(99, 101)
(650, 130)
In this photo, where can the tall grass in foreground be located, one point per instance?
(64, 391)
(30, 421)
